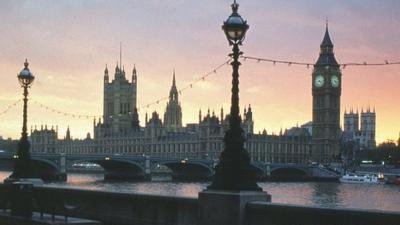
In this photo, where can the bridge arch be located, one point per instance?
(188, 169)
(117, 169)
(45, 169)
(289, 173)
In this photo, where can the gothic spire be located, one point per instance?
(116, 68)
(173, 94)
(106, 71)
(134, 76)
(326, 55)
(173, 80)
(326, 42)
(134, 69)
(68, 134)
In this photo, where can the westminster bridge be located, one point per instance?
(141, 167)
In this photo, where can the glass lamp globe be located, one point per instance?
(25, 77)
(235, 26)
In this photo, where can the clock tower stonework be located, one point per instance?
(326, 91)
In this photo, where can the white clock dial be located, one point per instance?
(335, 81)
(319, 81)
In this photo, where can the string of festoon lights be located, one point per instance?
(145, 106)
(190, 85)
(62, 113)
(196, 81)
(12, 105)
(342, 65)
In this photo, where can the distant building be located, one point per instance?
(363, 135)
(120, 131)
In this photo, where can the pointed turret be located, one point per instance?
(249, 115)
(326, 55)
(199, 116)
(68, 134)
(116, 68)
(173, 93)
(106, 77)
(173, 80)
(134, 75)
(264, 132)
(326, 42)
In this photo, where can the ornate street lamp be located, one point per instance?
(21, 166)
(234, 171)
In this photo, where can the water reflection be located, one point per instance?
(326, 194)
(383, 197)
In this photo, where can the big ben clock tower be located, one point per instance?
(326, 90)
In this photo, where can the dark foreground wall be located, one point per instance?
(116, 208)
(260, 213)
(123, 208)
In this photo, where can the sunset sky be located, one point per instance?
(69, 43)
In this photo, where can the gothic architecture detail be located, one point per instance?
(326, 91)
(364, 136)
(119, 103)
(173, 111)
(168, 138)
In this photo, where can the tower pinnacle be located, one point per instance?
(326, 55)
(173, 80)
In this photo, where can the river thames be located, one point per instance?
(325, 194)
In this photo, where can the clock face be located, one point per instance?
(335, 81)
(319, 81)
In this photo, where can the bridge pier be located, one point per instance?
(147, 166)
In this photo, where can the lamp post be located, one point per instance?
(21, 166)
(234, 171)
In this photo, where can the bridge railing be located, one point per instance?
(262, 213)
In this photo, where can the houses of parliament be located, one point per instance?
(120, 132)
